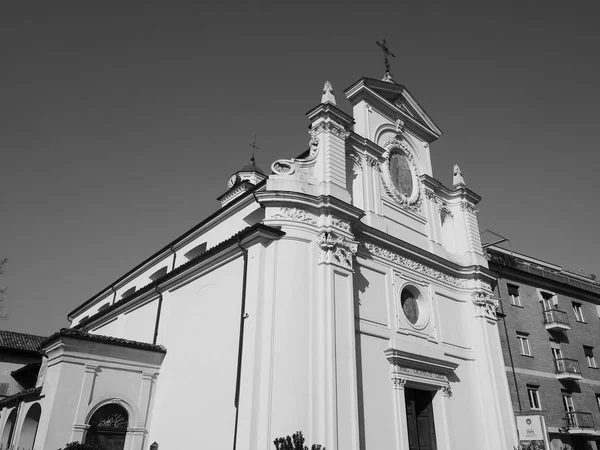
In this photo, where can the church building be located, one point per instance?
(344, 294)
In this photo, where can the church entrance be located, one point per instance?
(419, 416)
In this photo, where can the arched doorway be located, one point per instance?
(30, 426)
(9, 429)
(108, 427)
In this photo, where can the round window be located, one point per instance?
(400, 173)
(410, 306)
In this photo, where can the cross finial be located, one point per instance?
(254, 147)
(386, 54)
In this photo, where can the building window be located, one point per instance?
(549, 300)
(534, 397)
(589, 355)
(524, 343)
(578, 312)
(557, 353)
(513, 293)
(568, 403)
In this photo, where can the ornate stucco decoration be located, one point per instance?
(397, 148)
(430, 195)
(332, 127)
(355, 157)
(445, 209)
(372, 162)
(295, 214)
(485, 305)
(416, 266)
(336, 249)
(447, 391)
(341, 224)
(398, 381)
(466, 206)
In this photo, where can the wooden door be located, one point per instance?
(419, 415)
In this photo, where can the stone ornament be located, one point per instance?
(485, 305)
(445, 209)
(398, 153)
(295, 214)
(398, 382)
(447, 391)
(335, 249)
(468, 207)
(341, 224)
(416, 266)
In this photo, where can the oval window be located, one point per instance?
(410, 306)
(401, 175)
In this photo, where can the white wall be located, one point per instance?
(199, 326)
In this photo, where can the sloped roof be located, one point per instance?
(11, 340)
(85, 336)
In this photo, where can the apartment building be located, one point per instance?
(550, 333)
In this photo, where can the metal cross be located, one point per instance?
(253, 145)
(254, 148)
(386, 53)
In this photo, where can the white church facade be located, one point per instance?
(345, 295)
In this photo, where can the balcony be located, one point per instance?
(567, 369)
(578, 419)
(556, 320)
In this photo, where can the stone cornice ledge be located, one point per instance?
(323, 203)
(365, 233)
(462, 193)
(403, 358)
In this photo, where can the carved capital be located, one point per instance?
(447, 391)
(341, 224)
(468, 207)
(355, 157)
(372, 162)
(335, 249)
(398, 382)
(331, 127)
(430, 195)
(485, 305)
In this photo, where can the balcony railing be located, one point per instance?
(555, 319)
(578, 419)
(567, 369)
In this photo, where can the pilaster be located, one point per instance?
(85, 395)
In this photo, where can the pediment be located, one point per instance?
(396, 97)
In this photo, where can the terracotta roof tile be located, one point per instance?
(85, 336)
(11, 340)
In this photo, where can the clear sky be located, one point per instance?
(122, 121)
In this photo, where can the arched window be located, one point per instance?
(108, 427)
(9, 429)
(30, 426)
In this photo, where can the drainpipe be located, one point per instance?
(174, 257)
(512, 363)
(114, 294)
(160, 300)
(243, 316)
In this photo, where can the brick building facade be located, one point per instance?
(550, 333)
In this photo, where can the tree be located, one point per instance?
(296, 442)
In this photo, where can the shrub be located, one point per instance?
(78, 446)
(296, 442)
